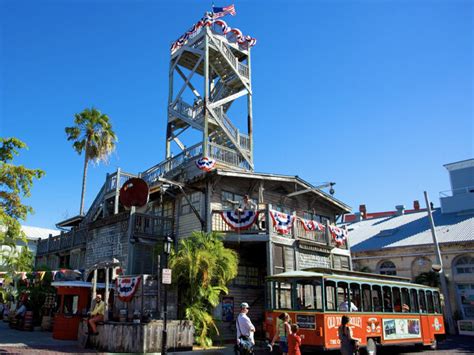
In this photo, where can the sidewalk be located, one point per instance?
(14, 341)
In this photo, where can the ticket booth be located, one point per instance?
(72, 301)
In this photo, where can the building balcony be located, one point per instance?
(75, 238)
(457, 200)
(261, 230)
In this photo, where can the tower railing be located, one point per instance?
(240, 67)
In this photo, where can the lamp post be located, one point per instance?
(165, 280)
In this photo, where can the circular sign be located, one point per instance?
(134, 192)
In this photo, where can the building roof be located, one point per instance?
(304, 185)
(34, 233)
(409, 230)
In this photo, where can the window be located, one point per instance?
(230, 196)
(464, 265)
(422, 302)
(343, 296)
(309, 295)
(278, 259)
(70, 304)
(429, 302)
(397, 299)
(387, 268)
(366, 299)
(414, 301)
(387, 299)
(437, 302)
(406, 300)
(341, 262)
(330, 288)
(283, 295)
(377, 298)
(247, 276)
(195, 199)
(355, 296)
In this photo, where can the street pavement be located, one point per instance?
(22, 342)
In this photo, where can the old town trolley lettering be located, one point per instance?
(383, 310)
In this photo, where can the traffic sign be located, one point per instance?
(166, 276)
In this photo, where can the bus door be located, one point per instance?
(308, 308)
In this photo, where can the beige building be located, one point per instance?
(400, 242)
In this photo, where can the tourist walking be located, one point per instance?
(348, 343)
(245, 331)
(294, 341)
(282, 332)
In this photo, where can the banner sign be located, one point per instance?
(126, 287)
(239, 220)
(282, 221)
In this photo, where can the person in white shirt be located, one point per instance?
(344, 307)
(245, 328)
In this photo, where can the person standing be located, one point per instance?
(282, 332)
(348, 343)
(97, 314)
(294, 341)
(245, 329)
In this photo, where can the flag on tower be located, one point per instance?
(222, 11)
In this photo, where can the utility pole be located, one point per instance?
(439, 268)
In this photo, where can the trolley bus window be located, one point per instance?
(355, 297)
(366, 299)
(343, 296)
(414, 301)
(397, 299)
(437, 303)
(429, 302)
(283, 295)
(330, 288)
(406, 300)
(422, 299)
(309, 295)
(387, 299)
(377, 298)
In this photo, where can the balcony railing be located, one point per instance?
(459, 191)
(262, 227)
(151, 227)
(69, 240)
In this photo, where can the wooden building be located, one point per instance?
(194, 187)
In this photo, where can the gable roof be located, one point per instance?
(410, 230)
(34, 233)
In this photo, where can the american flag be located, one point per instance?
(222, 11)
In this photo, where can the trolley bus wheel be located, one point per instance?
(371, 348)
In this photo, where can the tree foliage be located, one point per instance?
(16, 182)
(92, 134)
(429, 278)
(202, 268)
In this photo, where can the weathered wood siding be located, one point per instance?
(108, 239)
(138, 338)
(145, 300)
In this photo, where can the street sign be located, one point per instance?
(166, 276)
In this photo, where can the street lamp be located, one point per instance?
(165, 280)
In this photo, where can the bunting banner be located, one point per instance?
(126, 287)
(206, 164)
(239, 220)
(338, 234)
(220, 27)
(282, 221)
(310, 225)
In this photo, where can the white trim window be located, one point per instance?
(464, 265)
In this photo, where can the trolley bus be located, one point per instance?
(383, 310)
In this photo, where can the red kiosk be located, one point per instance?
(73, 302)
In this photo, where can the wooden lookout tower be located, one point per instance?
(209, 72)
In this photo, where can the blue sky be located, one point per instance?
(374, 95)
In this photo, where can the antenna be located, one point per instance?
(134, 192)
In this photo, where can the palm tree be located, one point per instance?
(202, 268)
(93, 135)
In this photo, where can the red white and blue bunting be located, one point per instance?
(239, 220)
(205, 164)
(233, 35)
(127, 286)
(339, 235)
(282, 222)
(310, 225)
